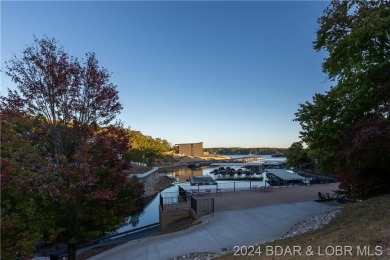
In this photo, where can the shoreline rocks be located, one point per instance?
(312, 223)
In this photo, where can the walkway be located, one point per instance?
(253, 223)
(282, 195)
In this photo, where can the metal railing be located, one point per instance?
(184, 200)
(174, 200)
(230, 186)
(224, 187)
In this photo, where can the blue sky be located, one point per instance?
(226, 73)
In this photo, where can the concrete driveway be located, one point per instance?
(228, 229)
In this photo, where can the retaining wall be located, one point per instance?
(147, 178)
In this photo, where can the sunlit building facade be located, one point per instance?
(191, 149)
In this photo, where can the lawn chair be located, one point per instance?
(321, 196)
(194, 192)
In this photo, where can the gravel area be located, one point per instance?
(196, 256)
(187, 223)
(161, 183)
(312, 223)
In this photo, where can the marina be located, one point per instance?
(203, 188)
(219, 178)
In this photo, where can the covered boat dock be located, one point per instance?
(283, 177)
(260, 165)
(265, 164)
(202, 180)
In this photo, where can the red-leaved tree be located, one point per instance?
(60, 154)
(365, 162)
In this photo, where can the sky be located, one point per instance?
(225, 73)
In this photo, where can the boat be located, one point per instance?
(215, 172)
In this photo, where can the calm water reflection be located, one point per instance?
(183, 174)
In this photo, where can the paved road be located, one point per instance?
(227, 229)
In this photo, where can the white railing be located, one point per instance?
(139, 163)
(142, 175)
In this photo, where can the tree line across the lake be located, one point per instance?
(63, 160)
(244, 151)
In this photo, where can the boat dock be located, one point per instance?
(263, 164)
(281, 176)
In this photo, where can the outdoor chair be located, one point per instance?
(321, 196)
(194, 192)
(200, 192)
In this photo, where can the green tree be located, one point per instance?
(356, 34)
(69, 164)
(21, 226)
(145, 148)
(297, 156)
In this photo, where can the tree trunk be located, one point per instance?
(71, 252)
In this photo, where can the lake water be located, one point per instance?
(150, 214)
(182, 175)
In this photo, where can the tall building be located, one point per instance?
(191, 149)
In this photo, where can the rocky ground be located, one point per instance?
(188, 223)
(161, 183)
(312, 223)
(138, 169)
(196, 256)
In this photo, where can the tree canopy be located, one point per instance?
(62, 165)
(348, 126)
(145, 148)
(297, 156)
(244, 151)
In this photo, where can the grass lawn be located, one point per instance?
(360, 231)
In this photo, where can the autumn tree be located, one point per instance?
(145, 148)
(72, 157)
(348, 126)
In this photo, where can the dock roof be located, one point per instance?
(285, 175)
(260, 163)
(202, 180)
(236, 164)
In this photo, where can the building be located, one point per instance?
(191, 149)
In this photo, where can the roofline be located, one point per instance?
(190, 143)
